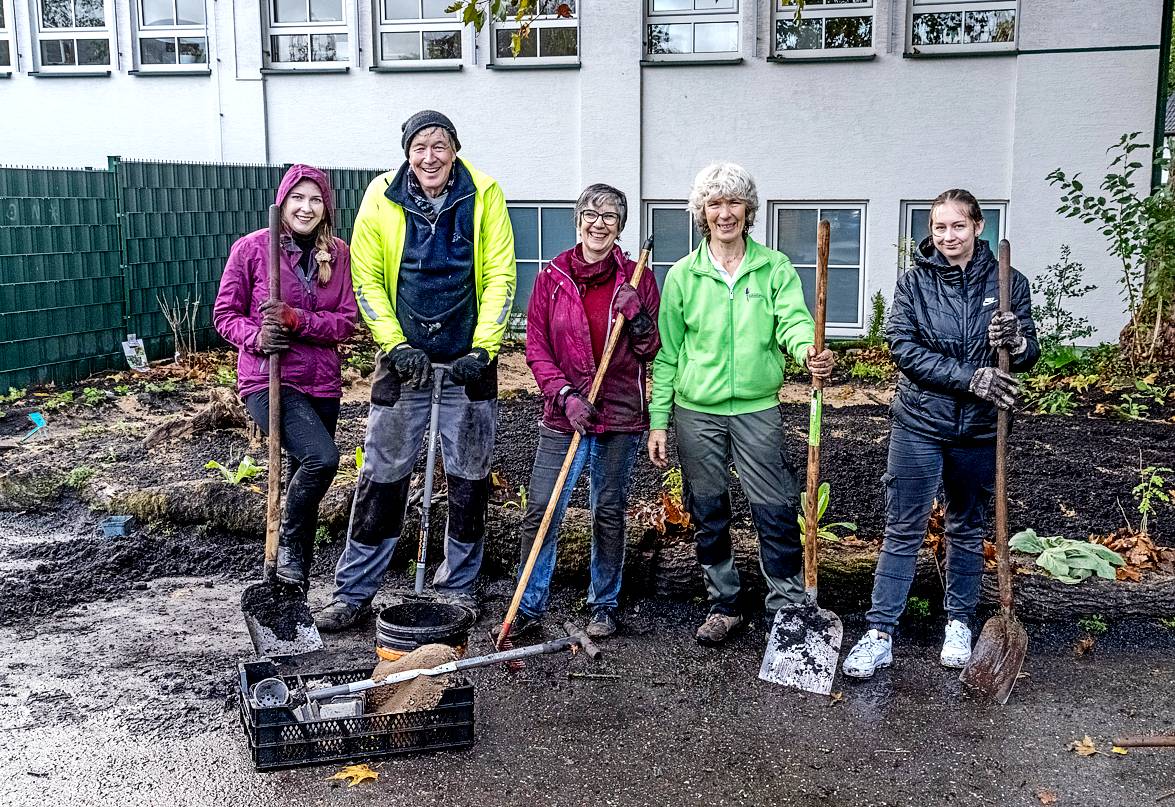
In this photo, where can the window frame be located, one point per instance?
(42, 34)
(911, 206)
(695, 236)
(538, 206)
(914, 7)
(272, 28)
(8, 37)
(849, 8)
(538, 24)
(835, 327)
(419, 26)
(141, 31)
(692, 17)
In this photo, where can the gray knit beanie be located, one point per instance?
(427, 119)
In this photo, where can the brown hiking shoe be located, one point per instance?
(717, 629)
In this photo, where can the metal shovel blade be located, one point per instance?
(279, 621)
(997, 658)
(803, 648)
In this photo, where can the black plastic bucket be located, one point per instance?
(402, 628)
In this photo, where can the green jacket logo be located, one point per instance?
(754, 295)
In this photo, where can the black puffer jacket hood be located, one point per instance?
(937, 334)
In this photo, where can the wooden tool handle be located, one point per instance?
(1003, 560)
(812, 495)
(561, 480)
(274, 502)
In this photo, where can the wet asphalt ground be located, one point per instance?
(131, 702)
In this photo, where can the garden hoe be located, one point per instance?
(276, 615)
(1003, 643)
(804, 644)
(503, 641)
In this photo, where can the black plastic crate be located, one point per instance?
(278, 740)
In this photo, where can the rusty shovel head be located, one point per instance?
(997, 658)
(803, 648)
(278, 620)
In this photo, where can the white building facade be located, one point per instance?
(861, 112)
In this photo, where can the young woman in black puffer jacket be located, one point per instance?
(943, 333)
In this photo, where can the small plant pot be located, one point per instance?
(116, 526)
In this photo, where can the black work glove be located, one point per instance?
(993, 385)
(579, 411)
(273, 338)
(469, 367)
(412, 365)
(1004, 331)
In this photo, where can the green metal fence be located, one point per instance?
(86, 256)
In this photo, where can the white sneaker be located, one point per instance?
(956, 647)
(873, 650)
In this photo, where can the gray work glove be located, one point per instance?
(1004, 331)
(274, 337)
(993, 385)
(412, 365)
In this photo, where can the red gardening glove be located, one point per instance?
(277, 311)
(628, 302)
(579, 412)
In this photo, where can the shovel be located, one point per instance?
(1003, 643)
(276, 615)
(430, 464)
(804, 644)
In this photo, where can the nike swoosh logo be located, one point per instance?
(988, 300)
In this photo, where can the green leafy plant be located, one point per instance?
(792, 369)
(520, 502)
(1140, 232)
(1067, 560)
(322, 536)
(870, 371)
(58, 401)
(122, 389)
(226, 374)
(1060, 359)
(1167, 622)
(79, 476)
(824, 532)
(1150, 490)
(875, 335)
(1058, 328)
(166, 388)
(1054, 402)
(673, 483)
(1094, 624)
(13, 395)
(358, 458)
(1131, 407)
(92, 396)
(1158, 394)
(246, 469)
(918, 607)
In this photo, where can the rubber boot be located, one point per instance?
(292, 566)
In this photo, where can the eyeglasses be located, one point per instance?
(592, 216)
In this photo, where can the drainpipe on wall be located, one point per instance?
(1161, 99)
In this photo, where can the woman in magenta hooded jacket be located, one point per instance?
(316, 312)
(572, 310)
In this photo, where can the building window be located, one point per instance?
(795, 235)
(691, 29)
(938, 26)
(6, 29)
(172, 34)
(307, 34)
(553, 37)
(674, 235)
(826, 27)
(916, 227)
(417, 32)
(541, 231)
(73, 35)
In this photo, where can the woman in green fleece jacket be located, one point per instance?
(729, 311)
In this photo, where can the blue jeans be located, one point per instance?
(609, 458)
(917, 465)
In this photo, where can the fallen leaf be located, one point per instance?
(835, 698)
(1084, 747)
(1045, 796)
(1083, 645)
(354, 774)
(1119, 750)
(255, 488)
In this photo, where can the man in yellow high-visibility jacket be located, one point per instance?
(432, 262)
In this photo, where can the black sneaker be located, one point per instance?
(603, 624)
(522, 625)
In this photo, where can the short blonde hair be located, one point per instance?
(722, 181)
